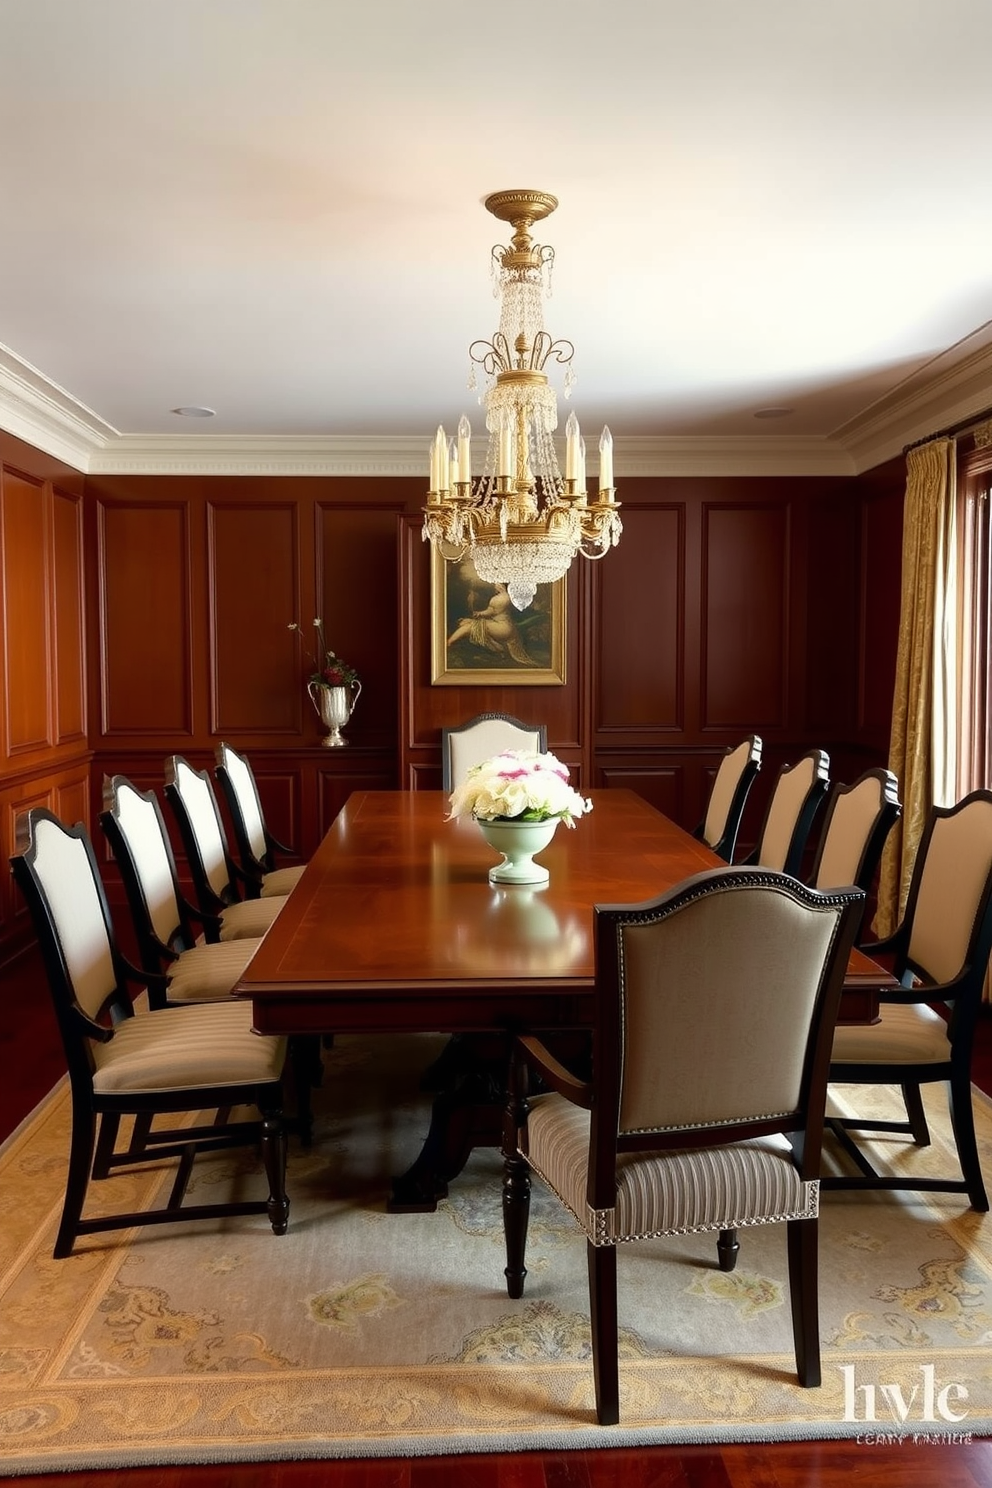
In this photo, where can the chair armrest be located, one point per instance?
(553, 1072)
(272, 844)
(893, 944)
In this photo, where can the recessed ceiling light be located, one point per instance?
(194, 412)
(773, 412)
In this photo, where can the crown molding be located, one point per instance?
(44, 415)
(37, 410)
(931, 399)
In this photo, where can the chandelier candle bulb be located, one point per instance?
(606, 461)
(453, 465)
(571, 447)
(507, 452)
(465, 450)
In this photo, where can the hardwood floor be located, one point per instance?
(31, 1059)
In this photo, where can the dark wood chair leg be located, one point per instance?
(913, 1097)
(602, 1263)
(963, 1123)
(727, 1250)
(106, 1141)
(803, 1238)
(274, 1158)
(80, 1161)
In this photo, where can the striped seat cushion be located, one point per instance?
(250, 919)
(668, 1193)
(206, 973)
(909, 1033)
(186, 1048)
(281, 881)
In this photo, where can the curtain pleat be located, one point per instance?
(922, 751)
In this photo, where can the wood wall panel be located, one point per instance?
(253, 558)
(832, 589)
(745, 614)
(356, 550)
(28, 615)
(663, 786)
(70, 620)
(146, 639)
(641, 631)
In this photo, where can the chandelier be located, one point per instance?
(521, 522)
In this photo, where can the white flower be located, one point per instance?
(519, 785)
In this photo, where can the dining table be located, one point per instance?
(394, 927)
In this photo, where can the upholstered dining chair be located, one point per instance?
(179, 969)
(859, 817)
(173, 1061)
(728, 796)
(789, 815)
(217, 881)
(255, 843)
(714, 1009)
(941, 955)
(481, 737)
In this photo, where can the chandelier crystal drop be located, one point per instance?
(521, 521)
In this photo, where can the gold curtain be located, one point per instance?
(922, 750)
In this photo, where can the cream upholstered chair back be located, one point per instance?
(65, 874)
(859, 818)
(950, 888)
(480, 738)
(256, 845)
(728, 796)
(144, 856)
(797, 793)
(703, 992)
(244, 795)
(192, 798)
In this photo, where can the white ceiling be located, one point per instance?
(273, 208)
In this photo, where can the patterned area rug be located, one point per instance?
(366, 1333)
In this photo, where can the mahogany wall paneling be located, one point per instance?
(66, 793)
(72, 797)
(69, 619)
(146, 624)
(661, 785)
(425, 710)
(746, 641)
(358, 600)
(833, 573)
(640, 616)
(254, 594)
(27, 608)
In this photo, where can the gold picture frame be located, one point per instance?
(478, 643)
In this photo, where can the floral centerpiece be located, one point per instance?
(519, 785)
(333, 685)
(518, 798)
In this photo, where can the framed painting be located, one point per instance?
(479, 638)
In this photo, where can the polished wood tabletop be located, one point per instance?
(394, 924)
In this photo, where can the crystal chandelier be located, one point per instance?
(521, 522)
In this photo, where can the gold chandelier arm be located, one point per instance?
(492, 356)
(544, 349)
